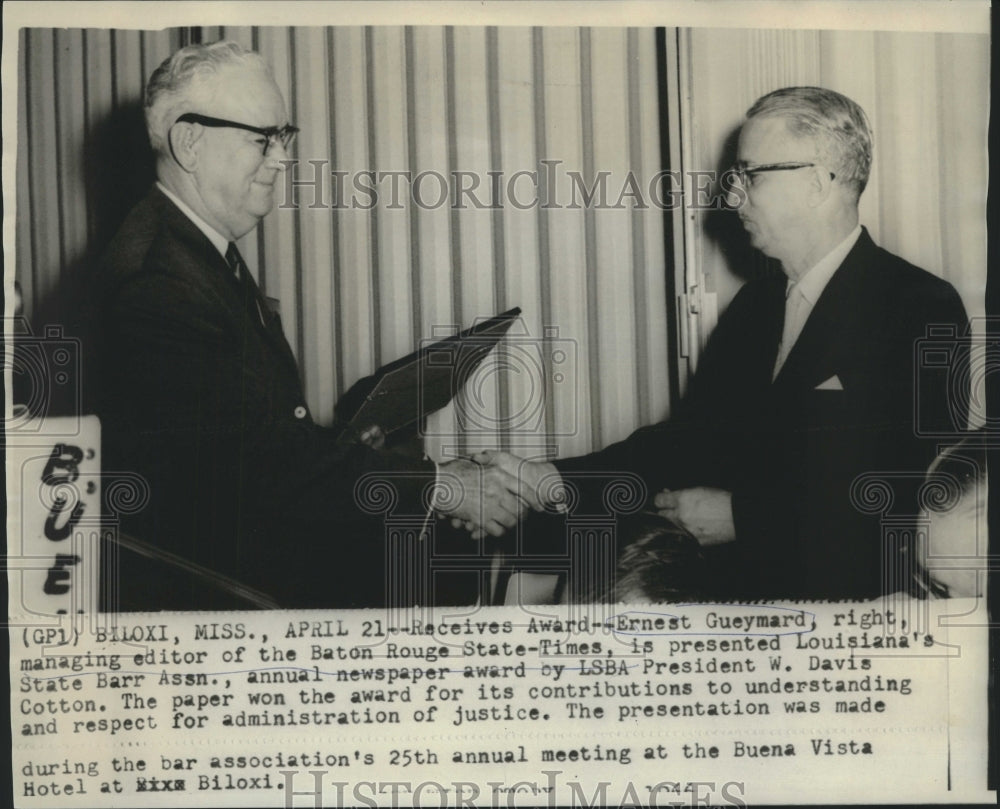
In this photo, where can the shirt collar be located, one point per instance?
(220, 242)
(812, 284)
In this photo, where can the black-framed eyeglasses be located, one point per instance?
(272, 134)
(746, 174)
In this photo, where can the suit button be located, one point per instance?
(300, 412)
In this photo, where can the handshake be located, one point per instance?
(488, 493)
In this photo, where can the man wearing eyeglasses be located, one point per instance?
(808, 383)
(249, 498)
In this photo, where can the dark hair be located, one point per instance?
(962, 466)
(957, 473)
(657, 561)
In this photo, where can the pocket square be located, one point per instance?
(833, 383)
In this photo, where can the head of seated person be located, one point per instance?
(951, 554)
(657, 561)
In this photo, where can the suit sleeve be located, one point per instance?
(693, 446)
(200, 397)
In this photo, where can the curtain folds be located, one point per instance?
(444, 174)
(438, 171)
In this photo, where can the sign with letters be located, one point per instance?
(54, 471)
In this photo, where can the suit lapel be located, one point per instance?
(773, 325)
(270, 328)
(816, 355)
(227, 286)
(221, 277)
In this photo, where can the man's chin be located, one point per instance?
(757, 242)
(250, 221)
(263, 205)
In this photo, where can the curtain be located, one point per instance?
(361, 286)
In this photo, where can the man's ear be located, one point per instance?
(820, 185)
(183, 140)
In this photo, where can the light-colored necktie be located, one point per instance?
(790, 331)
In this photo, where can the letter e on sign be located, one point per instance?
(55, 516)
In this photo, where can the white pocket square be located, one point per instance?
(833, 383)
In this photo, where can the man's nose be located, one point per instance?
(277, 157)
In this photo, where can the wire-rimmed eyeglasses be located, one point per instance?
(272, 134)
(746, 174)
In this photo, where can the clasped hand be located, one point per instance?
(488, 493)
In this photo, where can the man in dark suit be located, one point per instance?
(809, 381)
(199, 389)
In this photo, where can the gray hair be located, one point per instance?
(180, 79)
(839, 126)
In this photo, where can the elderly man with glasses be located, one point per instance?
(810, 381)
(200, 393)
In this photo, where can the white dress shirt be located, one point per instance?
(220, 242)
(801, 295)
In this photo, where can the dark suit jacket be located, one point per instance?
(790, 452)
(206, 403)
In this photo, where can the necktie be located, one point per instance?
(790, 331)
(250, 292)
